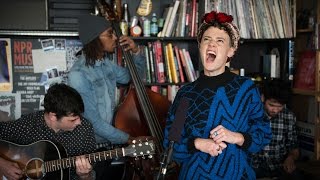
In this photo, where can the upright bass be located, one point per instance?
(142, 112)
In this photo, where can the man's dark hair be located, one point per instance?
(63, 100)
(92, 51)
(277, 89)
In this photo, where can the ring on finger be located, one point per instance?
(215, 133)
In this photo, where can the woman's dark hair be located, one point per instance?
(63, 100)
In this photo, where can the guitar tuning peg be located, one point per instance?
(136, 158)
(143, 157)
(134, 141)
(150, 156)
(146, 143)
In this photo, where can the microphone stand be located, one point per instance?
(165, 162)
(174, 136)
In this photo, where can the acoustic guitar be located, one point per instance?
(47, 160)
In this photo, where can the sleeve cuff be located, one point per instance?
(191, 147)
(247, 141)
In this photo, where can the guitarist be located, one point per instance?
(60, 122)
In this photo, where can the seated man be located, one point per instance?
(278, 158)
(60, 122)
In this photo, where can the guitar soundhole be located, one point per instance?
(34, 169)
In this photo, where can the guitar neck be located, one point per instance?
(54, 165)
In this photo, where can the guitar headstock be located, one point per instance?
(140, 147)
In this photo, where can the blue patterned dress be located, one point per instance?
(229, 100)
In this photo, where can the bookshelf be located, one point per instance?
(306, 101)
(251, 49)
(253, 46)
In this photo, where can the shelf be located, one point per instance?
(165, 38)
(308, 30)
(305, 92)
(74, 33)
(37, 33)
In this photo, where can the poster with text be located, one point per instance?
(25, 81)
(5, 65)
(10, 106)
(72, 47)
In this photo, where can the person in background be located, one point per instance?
(96, 76)
(278, 158)
(225, 120)
(60, 122)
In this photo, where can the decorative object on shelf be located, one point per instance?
(124, 24)
(154, 25)
(144, 8)
(135, 31)
(146, 27)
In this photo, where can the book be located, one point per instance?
(276, 52)
(148, 71)
(159, 61)
(167, 19)
(306, 71)
(190, 64)
(167, 66)
(290, 59)
(172, 64)
(185, 66)
(152, 66)
(171, 21)
(193, 18)
(181, 75)
(271, 66)
(182, 19)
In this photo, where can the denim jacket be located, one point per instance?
(97, 85)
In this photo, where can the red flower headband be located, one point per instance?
(219, 17)
(225, 21)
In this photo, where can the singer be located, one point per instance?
(225, 118)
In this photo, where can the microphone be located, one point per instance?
(174, 134)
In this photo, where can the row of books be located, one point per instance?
(169, 91)
(181, 19)
(167, 63)
(259, 19)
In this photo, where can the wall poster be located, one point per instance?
(5, 65)
(25, 81)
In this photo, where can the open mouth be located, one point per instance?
(211, 56)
